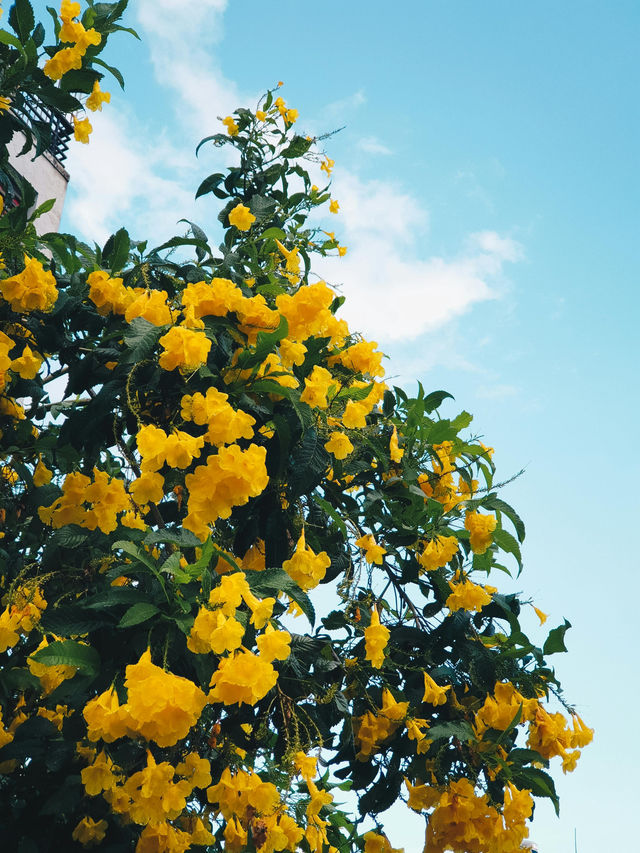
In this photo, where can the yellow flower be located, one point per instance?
(433, 693)
(480, 528)
(261, 115)
(373, 552)
(395, 452)
(376, 637)
(97, 98)
(184, 348)
(274, 645)
(467, 596)
(5, 103)
(316, 387)
(541, 616)
(241, 217)
(334, 207)
(28, 365)
(339, 445)
(327, 165)
(242, 678)
(232, 127)
(438, 552)
(64, 60)
(305, 566)
(89, 832)
(342, 251)
(291, 116)
(33, 289)
(82, 130)
(41, 475)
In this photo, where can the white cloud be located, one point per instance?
(372, 145)
(118, 180)
(181, 39)
(496, 392)
(394, 290)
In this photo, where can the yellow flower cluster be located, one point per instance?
(468, 596)
(306, 567)
(438, 552)
(21, 615)
(106, 498)
(73, 32)
(372, 729)
(225, 424)
(160, 706)
(499, 710)
(240, 795)
(110, 295)
(376, 637)
(150, 797)
(480, 528)
(307, 314)
(550, 735)
(33, 289)
(184, 348)
(214, 299)
(465, 822)
(50, 676)
(229, 479)
(177, 449)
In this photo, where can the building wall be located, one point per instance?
(48, 178)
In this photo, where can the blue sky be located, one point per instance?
(488, 181)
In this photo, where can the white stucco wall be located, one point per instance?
(48, 178)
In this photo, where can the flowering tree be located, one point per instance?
(190, 449)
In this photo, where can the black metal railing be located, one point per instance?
(59, 129)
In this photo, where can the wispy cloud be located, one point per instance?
(372, 145)
(396, 290)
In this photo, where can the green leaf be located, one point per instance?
(456, 728)
(183, 538)
(493, 502)
(59, 99)
(69, 653)
(21, 19)
(503, 539)
(539, 783)
(141, 337)
(45, 207)
(462, 421)
(132, 549)
(434, 400)
(137, 614)
(555, 641)
(298, 146)
(210, 184)
(68, 621)
(97, 61)
(116, 250)
(7, 38)
(273, 233)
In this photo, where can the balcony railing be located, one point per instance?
(60, 129)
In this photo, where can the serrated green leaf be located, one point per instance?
(21, 19)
